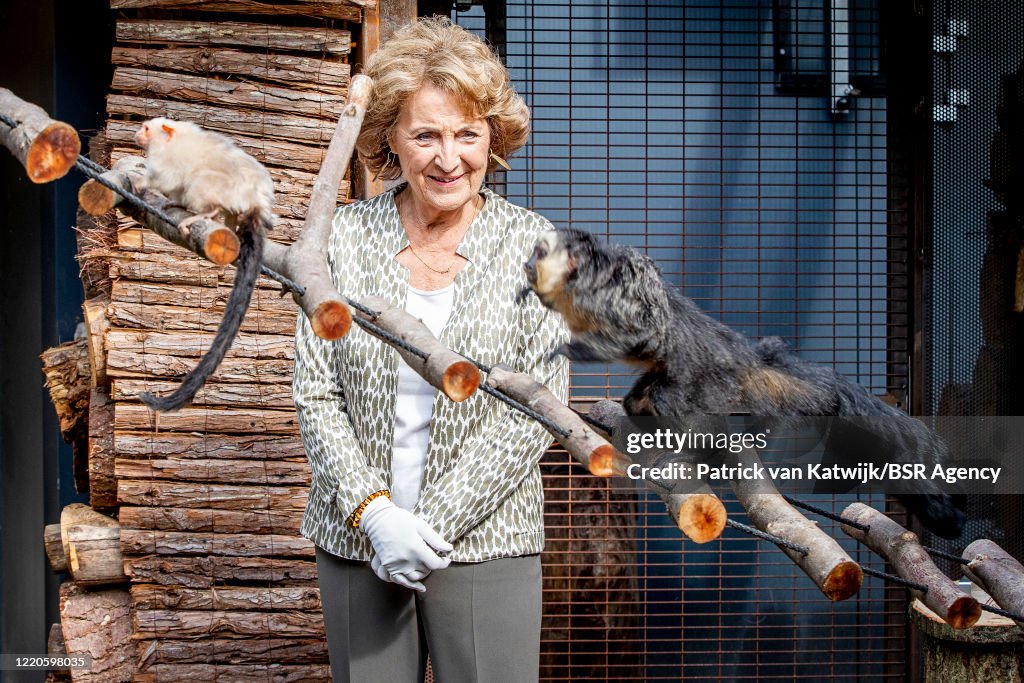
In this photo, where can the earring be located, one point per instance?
(387, 164)
(501, 162)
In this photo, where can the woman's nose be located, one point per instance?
(447, 156)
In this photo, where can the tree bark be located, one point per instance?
(348, 10)
(192, 445)
(149, 542)
(271, 125)
(265, 37)
(275, 154)
(219, 420)
(98, 623)
(198, 519)
(180, 318)
(206, 572)
(66, 368)
(46, 148)
(169, 268)
(143, 342)
(235, 651)
(226, 624)
(221, 470)
(227, 598)
(215, 496)
(901, 549)
(238, 95)
(102, 485)
(236, 673)
(263, 395)
(244, 370)
(826, 563)
(311, 73)
(158, 294)
(998, 573)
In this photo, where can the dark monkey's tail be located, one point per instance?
(252, 226)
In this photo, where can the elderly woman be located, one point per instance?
(428, 514)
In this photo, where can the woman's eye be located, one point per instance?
(423, 137)
(470, 135)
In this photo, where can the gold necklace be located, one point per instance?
(439, 272)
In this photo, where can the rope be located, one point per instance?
(529, 412)
(892, 578)
(1002, 613)
(777, 540)
(826, 513)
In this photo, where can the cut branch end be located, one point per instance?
(460, 380)
(843, 581)
(702, 517)
(53, 152)
(331, 320)
(222, 246)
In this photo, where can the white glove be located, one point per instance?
(401, 579)
(404, 545)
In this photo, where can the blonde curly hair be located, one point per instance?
(452, 59)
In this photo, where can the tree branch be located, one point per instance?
(46, 148)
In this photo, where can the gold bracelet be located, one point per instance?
(353, 519)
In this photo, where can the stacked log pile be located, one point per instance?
(205, 503)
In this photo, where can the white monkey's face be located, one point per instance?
(443, 152)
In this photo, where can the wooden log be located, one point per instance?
(224, 93)
(227, 598)
(216, 471)
(218, 496)
(91, 545)
(699, 514)
(998, 573)
(901, 549)
(94, 312)
(252, 446)
(149, 542)
(237, 673)
(272, 125)
(456, 377)
(172, 269)
(258, 347)
(318, 41)
(46, 148)
(179, 623)
(197, 519)
(209, 419)
(265, 651)
(66, 368)
(94, 236)
(826, 563)
(98, 623)
(264, 395)
(321, 74)
(159, 294)
(102, 485)
(272, 153)
(206, 572)
(180, 318)
(582, 443)
(348, 10)
(991, 650)
(328, 313)
(245, 370)
(127, 173)
(54, 546)
(94, 556)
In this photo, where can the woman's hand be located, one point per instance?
(405, 547)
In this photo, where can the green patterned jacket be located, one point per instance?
(481, 487)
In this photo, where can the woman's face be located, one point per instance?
(442, 151)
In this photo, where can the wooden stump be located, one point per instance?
(98, 623)
(992, 650)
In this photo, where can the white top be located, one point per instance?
(415, 404)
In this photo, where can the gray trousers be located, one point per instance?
(480, 622)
